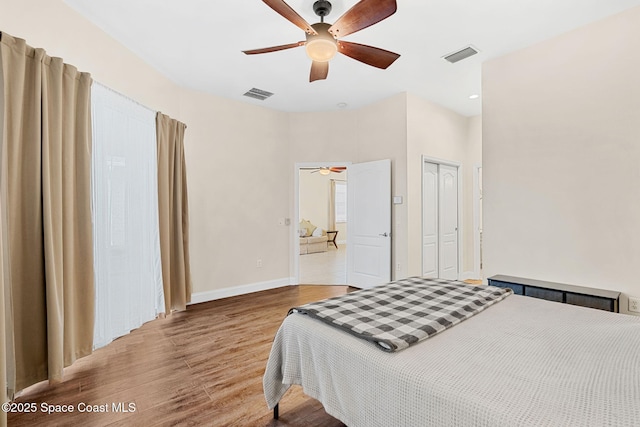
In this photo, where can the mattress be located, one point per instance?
(521, 362)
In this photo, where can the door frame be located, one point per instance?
(458, 166)
(294, 270)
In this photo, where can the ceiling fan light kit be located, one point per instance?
(322, 41)
(325, 170)
(321, 47)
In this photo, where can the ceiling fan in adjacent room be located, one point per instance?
(323, 40)
(326, 170)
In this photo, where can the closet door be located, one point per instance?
(448, 210)
(430, 249)
(440, 221)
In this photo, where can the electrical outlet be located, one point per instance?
(259, 263)
(634, 304)
(398, 267)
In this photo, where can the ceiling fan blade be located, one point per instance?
(338, 169)
(319, 71)
(370, 55)
(362, 15)
(291, 15)
(273, 48)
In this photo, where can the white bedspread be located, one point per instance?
(522, 362)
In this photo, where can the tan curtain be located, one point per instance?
(46, 140)
(22, 74)
(332, 206)
(173, 213)
(6, 332)
(66, 191)
(7, 359)
(7, 363)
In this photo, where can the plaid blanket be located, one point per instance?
(404, 312)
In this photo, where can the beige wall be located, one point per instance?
(473, 160)
(439, 133)
(561, 152)
(238, 172)
(314, 198)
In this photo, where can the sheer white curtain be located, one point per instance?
(128, 274)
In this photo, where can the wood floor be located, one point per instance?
(203, 366)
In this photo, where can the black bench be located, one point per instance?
(569, 294)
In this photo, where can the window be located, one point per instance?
(340, 202)
(128, 276)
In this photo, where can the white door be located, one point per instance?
(369, 224)
(430, 220)
(448, 204)
(439, 221)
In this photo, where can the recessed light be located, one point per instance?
(342, 105)
(474, 96)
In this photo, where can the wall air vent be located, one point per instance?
(461, 54)
(258, 94)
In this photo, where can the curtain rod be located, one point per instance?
(124, 96)
(130, 99)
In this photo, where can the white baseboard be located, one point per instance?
(233, 291)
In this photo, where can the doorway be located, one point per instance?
(368, 255)
(321, 202)
(440, 218)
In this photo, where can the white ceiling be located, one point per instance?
(198, 44)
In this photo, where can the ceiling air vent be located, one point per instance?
(461, 54)
(258, 94)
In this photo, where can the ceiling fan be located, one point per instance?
(323, 40)
(326, 170)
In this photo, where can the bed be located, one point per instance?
(520, 362)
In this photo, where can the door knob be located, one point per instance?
(384, 235)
